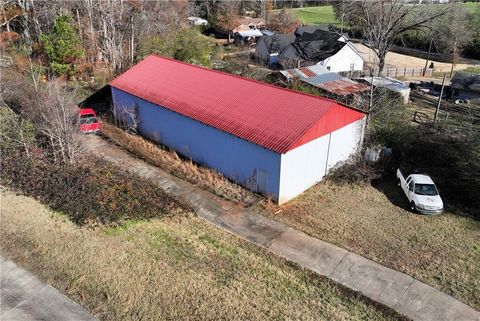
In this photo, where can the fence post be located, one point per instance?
(404, 71)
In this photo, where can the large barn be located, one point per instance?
(274, 141)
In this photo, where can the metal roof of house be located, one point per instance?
(322, 78)
(272, 117)
(387, 82)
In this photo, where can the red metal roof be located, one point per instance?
(272, 117)
(342, 87)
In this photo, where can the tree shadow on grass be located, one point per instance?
(389, 187)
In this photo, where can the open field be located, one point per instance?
(443, 251)
(397, 60)
(316, 15)
(325, 15)
(177, 268)
(471, 7)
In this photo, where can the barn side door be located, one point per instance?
(262, 180)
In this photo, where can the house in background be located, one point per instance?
(310, 45)
(248, 30)
(274, 141)
(269, 47)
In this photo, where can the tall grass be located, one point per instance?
(170, 161)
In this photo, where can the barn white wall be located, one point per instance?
(344, 142)
(302, 167)
(306, 165)
(343, 60)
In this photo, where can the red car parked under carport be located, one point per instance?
(88, 120)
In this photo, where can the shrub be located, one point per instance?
(93, 192)
(355, 171)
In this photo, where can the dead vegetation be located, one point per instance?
(374, 221)
(172, 268)
(170, 161)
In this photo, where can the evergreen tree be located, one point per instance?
(62, 46)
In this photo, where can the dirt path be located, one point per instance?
(401, 61)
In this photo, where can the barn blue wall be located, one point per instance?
(235, 158)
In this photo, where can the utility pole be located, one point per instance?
(428, 57)
(343, 12)
(439, 100)
(370, 101)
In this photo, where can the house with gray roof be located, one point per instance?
(310, 45)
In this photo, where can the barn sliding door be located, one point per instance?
(262, 180)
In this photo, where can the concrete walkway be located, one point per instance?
(25, 298)
(394, 289)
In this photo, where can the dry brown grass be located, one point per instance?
(169, 160)
(177, 268)
(443, 251)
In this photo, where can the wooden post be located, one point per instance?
(439, 100)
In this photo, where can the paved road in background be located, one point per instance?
(23, 297)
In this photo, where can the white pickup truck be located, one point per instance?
(421, 193)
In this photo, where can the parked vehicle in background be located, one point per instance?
(88, 120)
(421, 192)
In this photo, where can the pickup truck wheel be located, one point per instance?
(412, 206)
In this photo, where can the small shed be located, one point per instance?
(274, 141)
(390, 84)
(322, 78)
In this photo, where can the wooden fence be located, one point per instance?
(403, 72)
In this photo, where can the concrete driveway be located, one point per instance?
(23, 297)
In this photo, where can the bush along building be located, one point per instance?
(274, 141)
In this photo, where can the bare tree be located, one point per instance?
(15, 131)
(52, 110)
(226, 15)
(56, 118)
(282, 21)
(384, 20)
(452, 32)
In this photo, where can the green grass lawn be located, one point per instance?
(317, 15)
(374, 221)
(325, 14)
(473, 70)
(471, 7)
(172, 268)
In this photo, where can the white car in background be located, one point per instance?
(421, 192)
